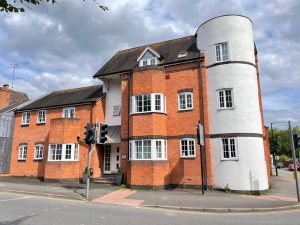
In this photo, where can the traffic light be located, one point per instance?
(296, 140)
(89, 134)
(103, 132)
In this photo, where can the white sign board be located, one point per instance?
(200, 133)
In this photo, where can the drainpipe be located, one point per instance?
(128, 100)
(202, 120)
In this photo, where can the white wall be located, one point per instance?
(113, 98)
(249, 172)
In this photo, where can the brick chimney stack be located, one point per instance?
(4, 95)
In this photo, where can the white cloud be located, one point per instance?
(62, 46)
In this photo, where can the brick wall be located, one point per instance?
(169, 81)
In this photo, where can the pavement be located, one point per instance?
(27, 209)
(282, 195)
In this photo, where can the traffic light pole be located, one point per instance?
(294, 160)
(88, 167)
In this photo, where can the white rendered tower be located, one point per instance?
(235, 119)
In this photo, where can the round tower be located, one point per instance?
(233, 102)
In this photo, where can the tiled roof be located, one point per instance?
(17, 97)
(68, 97)
(126, 60)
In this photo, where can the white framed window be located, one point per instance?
(150, 149)
(22, 152)
(148, 62)
(229, 146)
(187, 148)
(38, 151)
(225, 97)
(69, 112)
(25, 118)
(41, 117)
(222, 52)
(63, 152)
(116, 110)
(185, 101)
(153, 102)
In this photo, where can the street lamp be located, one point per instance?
(293, 152)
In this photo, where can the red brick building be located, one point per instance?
(154, 97)
(45, 141)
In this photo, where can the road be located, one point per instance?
(22, 209)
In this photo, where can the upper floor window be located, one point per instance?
(153, 102)
(225, 98)
(69, 112)
(22, 152)
(185, 101)
(187, 148)
(152, 149)
(222, 53)
(41, 118)
(229, 148)
(63, 152)
(148, 62)
(38, 151)
(148, 57)
(25, 118)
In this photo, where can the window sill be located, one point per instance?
(41, 124)
(188, 157)
(221, 61)
(142, 113)
(230, 159)
(62, 161)
(37, 160)
(185, 110)
(21, 160)
(25, 125)
(221, 109)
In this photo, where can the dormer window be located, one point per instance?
(182, 55)
(149, 57)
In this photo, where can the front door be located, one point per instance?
(111, 158)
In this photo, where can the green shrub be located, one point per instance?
(283, 158)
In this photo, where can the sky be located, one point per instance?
(63, 46)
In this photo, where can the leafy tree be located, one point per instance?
(280, 144)
(15, 6)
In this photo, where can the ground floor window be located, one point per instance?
(229, 148)
(22, 152)
(150, 149)
(187, 148)
(38, 151)
(63, 152)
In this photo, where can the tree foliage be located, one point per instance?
(16, 6)
(280, 143)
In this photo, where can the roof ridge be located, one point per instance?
(155, 43)
(73, 89)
